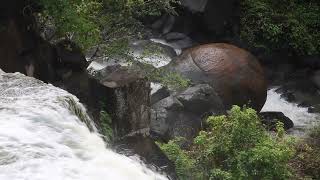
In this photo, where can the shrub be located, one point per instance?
(106, 22)
(306, 161)
(237, 146)
(292, 25)
(185, 165)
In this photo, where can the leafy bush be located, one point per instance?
(283, 24)
(306, 162)
(108, 22)
(185, 165)
(111, 24)
(237, 146)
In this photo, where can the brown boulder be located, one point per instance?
(234, 73)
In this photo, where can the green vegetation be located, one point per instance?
(170, 79)
(235, 146)
(106, 126)
(105, 122)
(306, 161)
(111, 24)
(185, 165)
(292, 25)
(106, 22)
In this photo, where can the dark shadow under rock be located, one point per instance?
(270, 119)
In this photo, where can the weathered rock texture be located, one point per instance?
(270, 119)
(221, 75)
(234, 73)
(21, 48)
(151, 153)
(129, 107)
(182, 115)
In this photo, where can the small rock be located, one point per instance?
(270, 119)
(158, 92)
(288, 97)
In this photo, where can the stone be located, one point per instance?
(158, 92)
(270, 119)
(152, 52)
(196, 6)
(200, 99)
(179, 40)
(235, 74)
(288, 97)
(316, 78)
(182, 114)
(151, 154)
(70, 56)
(114, 73)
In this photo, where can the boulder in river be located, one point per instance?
(235, 74)
(221, 75)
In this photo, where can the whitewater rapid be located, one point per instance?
(41, 138)
(302, 119)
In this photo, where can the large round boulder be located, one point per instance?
(234, 73)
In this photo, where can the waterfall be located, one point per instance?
(45, 134)
(300, 116)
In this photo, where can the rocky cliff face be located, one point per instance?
(21, 48)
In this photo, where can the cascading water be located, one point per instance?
(42, 138)
(300, 116)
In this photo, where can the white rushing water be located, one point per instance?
(300, 116)
(41, 139)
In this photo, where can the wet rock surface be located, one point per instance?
(151, 154)
(270, 119)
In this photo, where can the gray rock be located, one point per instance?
(181, 115)
(115, 73)
(158, 92)
(201, 98)
(270, 119)
(164, 24)
(221, 75)
(151, 52)
(234, 73)
(162, 114)
(144, 55)
(151, 154)
(197, 6)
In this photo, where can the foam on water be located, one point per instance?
(41, 139)
(300, 116)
